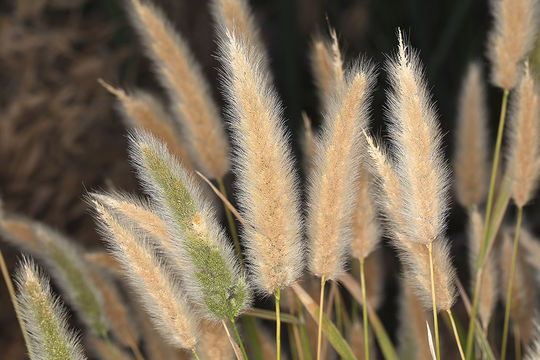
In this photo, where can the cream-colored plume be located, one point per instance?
(524, 140)
(44, 317)
(511, 38)
(489, 289)
(152, 282)
(267, 181)
(471, 140)
(333, 190)
(417, 144)
(144, 111)
(193, 104)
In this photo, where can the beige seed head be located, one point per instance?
(471, 143)
(511, 38)
(179, 72)
(333, 188)
(267, 182)
(524, 140)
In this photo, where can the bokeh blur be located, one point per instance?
(60, 135)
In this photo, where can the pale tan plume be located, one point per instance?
(332, 190)
(19, 232)
(531, 245)
(104, 260)
(193, 104)
(413, 337)
(524, 291)
(488, 294)
(511, 39)
(327, 68)
(308, 142)
(144, 111)
(267, 180)
(413, 255)
(524, 140)
(365, 226)
(471, 140)
(417, 143)
(159, 293)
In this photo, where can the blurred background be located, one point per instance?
(60, 135)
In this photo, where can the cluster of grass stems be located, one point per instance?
(194, 288)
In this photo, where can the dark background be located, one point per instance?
(60, 135)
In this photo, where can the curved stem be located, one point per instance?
(319, 333)
(456, 334)
(364, 309)
(11, 290)
(483, 249)
(232, 226)
(239, 338)
(435, 319)
(195, 353)
(278, 325)
(510, 283)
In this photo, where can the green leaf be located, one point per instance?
(332, 333)
(271, 315)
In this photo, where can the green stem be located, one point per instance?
(239, 338)
(435, 319)
(232, 226)
(278, 325)
(195, 353)
(364, 308)
(319, 332)
(510, 284)
(11, 290)
(485, 238)
(110, 346)
(456, 335)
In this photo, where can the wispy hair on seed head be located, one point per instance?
(333, 184)
(267, 182)
(45, 317)
(152, 280)
(181, 75)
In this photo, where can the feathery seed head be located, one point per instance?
(44, 317)
(413, 337)
(471, 143)
(181, 75)
(267, 182)
(212, 273)
(511, 39)
(152, 280)
(416, 139)
(524, 139)
(333, 188)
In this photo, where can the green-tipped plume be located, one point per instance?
(212, 274)
(44, 317)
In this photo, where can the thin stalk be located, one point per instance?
(278, 325)
(517, 342)
(232, 226)
(195, 353)
(451, 316)
(364, 308)
(435, 319)
(480, 260)
(11, 290)
(239, 338)
(510, 283)
(319, 333)
(297, 341)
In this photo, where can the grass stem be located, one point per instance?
(510, 284)
(460, 348)
(232, 226)
(435, 319)
(483, 249)
(319, 332)
(364, 308)
(195, 353)
(278, 325)
(239, 338)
